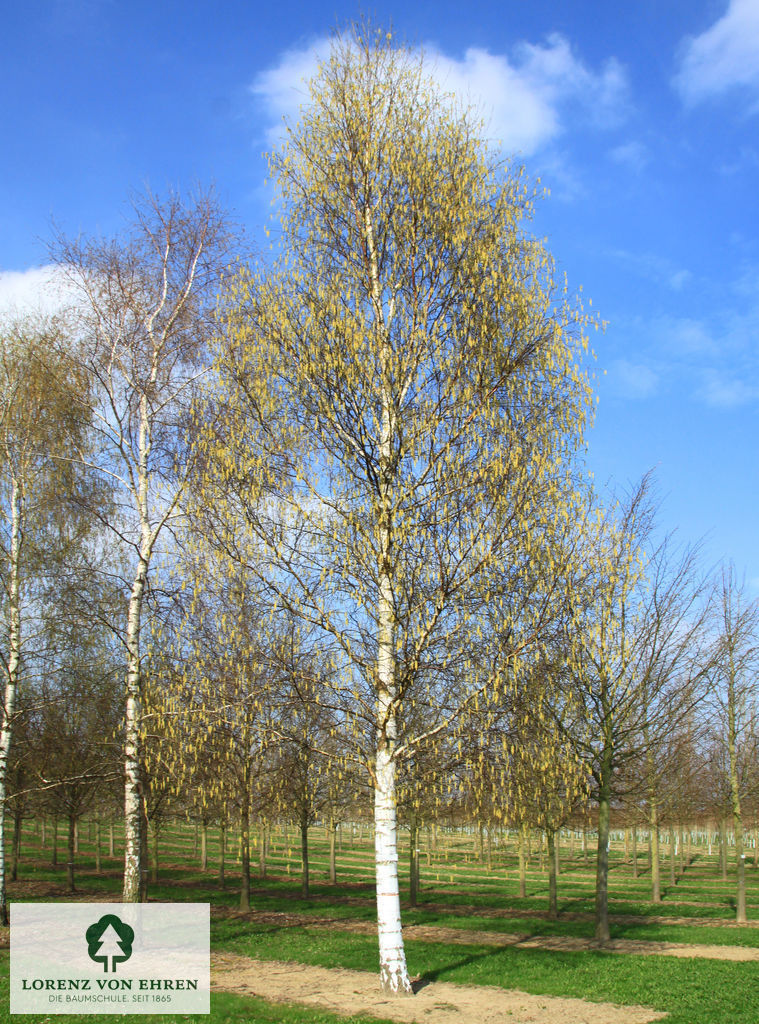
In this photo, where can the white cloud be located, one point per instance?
(652, 267)
(525, 99)
(283, 89)
(725, 56)
(716, 360)
(33, 291)
(631, 154)
(633, 380)
(725, 391)
(686, 337)
(517, 111)
(678, 279)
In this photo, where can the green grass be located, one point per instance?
(692, 991)
(458, 892)
(718, 936)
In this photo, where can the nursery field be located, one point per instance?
(470, 931)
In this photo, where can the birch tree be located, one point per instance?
(391, 394)
(637, 659)
(213, 693)
(75, 755)
(142, 312)
(38, 398)
(735, 694)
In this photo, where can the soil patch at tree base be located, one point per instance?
(357, 992)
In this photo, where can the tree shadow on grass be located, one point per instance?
(441, 973)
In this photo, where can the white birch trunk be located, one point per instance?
(393, 972)
(132, 773)
(133, 845)
(11, 676)
(735, 799)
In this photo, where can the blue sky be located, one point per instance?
(642, 119)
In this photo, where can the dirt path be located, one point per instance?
(561, 943)
(357, 992)
(473, 910)
(523, 940)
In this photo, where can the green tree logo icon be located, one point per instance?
(109, 939)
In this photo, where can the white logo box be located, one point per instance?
(110, 958)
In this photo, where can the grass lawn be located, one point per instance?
(458, 892)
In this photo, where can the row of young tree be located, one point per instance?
(219, 766)
(325, 514)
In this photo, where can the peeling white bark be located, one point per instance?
(132, 771)
(134, 867)
(393, 971)
(11, 674)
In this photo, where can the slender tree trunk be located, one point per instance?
(653, 819)
(735, 799)
(262, 843)
(723, 848)
(71, 854)
(682, 851)
(393, 972)
(144, 852)
(54, 852)
(17, 825)
(553, 905)
(413, 873)
(222, 852)
(394, 976)
(418, 871)
(204, 846)
(557, 852)
(653, 840)
(111, 848)
(245, 853)
(44, 834)
(584, 846)
(76, 835)
(98, 864)
(133, 792)
(522, 862)
(635, 851)
(154, 866)
(672, 855)
(304, 886)
(602, 853)
(332, 856)
(12, 667)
